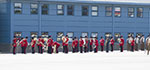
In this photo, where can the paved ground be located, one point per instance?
(87, 61)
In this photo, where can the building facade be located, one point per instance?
(72, 17)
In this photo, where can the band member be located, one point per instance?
(86, 44)
(102, 43)
(63, 43)
(95, 45)
(132, 44)
(112, 41)
(128, 43)
(40, 45)
(14, 44)
(146, 41)
(142, 46)
(107, 44)
(66, 44)
(33, 43)
(136, 43)
(121, 44)
(91, 44)
(25, 42)
(22, 45)
(49, 44)
(55, 47)
(81, 43)
(74, 45)
(148, 44)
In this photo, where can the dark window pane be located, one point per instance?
(85, 11)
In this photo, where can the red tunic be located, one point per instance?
(56, 43)
(76, 43)
(25, 42)
(122, 42)
(91, 42)
(66, 42)
(33, 43)
(112, 41)
(15, 42)
(41, 40)
(81, 42)
(102, 42)
(96, 43)
(50, 42)
(132, 43)
(21, 42)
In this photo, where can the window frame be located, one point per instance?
(131, 12)
(45, 9)
(46, 33)
(139, 12)
(94, 32)
(17, 33)
(117, 12)
(84, 32)
(116, 38)
(63, 7)
(108, 33)
(34, 8)
(82, 11)
(59, 37)
(18, 8)
(70, 10)
(108, 11)
(70, 37)
(97, 11)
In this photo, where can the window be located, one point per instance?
(70, 36)
(18, 8)
(94, 34)
(34, 34)
(45, 34)
(18, 34)
(70, 10)
(117, 35)
(117, 12)
(60, 9)
(130, 34)
(107, 35)
(108, 11)
(94, 10)
(59, 36)
(84, 34)
(140, 12)
(130, 12)
(139, 35)
(45, 9)
(85, 10)
(34, 9)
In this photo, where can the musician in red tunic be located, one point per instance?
(33, 43)
(81, 43)
(49, 44)
(86, 44)
(22, 45)
(91, 44)
(66, 44)
(112, 41)
(74, 45)
(121, 44)
(132, 44)
(14, 44)
(40, 44)
(96, 45)
(102, 43)
(25, 44)
(55, 47)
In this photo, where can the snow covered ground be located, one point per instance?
(87, 61)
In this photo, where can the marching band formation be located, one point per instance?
(82, 45)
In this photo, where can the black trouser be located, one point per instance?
(65, 49)
(73, 50)
(50, 49)
(41, 49)
(91, 49)
(121, 48)
(38, 49)
(107, 48)
(95, 50)
(14, 50)
(112, 48)
(22, 49)
(81, 49)
(85, 49)
(102, 48)
(33, 50)
(132, 48)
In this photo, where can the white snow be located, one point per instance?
(76, 61)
